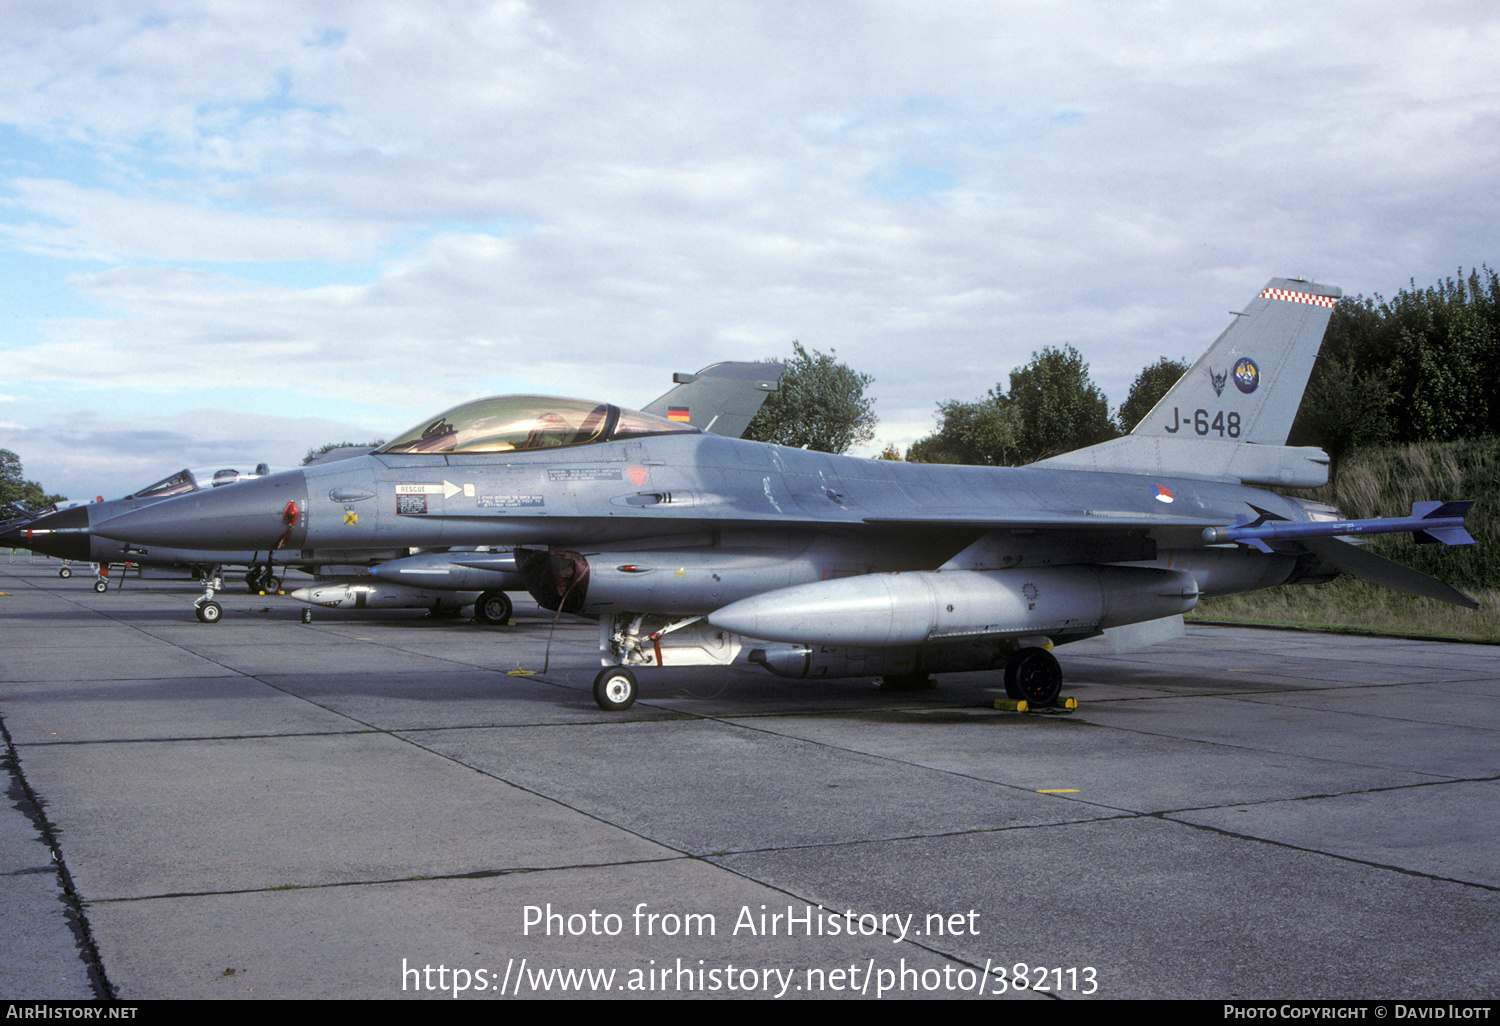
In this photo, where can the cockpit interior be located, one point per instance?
(194, 479)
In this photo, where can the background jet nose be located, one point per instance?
(62, 535)
(263, 514)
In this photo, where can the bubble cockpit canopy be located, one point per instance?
(514, 423)
(195, 479)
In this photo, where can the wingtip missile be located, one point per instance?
(1430, 522)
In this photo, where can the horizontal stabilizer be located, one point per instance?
(1367, 566)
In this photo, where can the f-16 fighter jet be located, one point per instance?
(64, 534)
(689, 547)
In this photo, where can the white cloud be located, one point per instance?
(99, 224)
(583, 197)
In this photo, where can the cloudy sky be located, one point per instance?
(239, 229)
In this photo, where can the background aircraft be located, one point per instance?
(686, 545)
(64, 534)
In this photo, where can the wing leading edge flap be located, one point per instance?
(1104, 520)
(1358, 562)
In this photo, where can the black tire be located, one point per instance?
(252, 581)
(271, 584)
(101, 586)
(493, 607)
(65, 572)
(210, 612)
(615, 689)
(1033, 674)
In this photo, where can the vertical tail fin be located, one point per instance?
(1229, 417)
(1249, 384)
(723, 398)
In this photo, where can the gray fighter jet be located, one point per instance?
(64, 534)
(688, 547)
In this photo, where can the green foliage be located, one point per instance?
(1419, 367)
(1385, 481)
(1146, 391)
(1061, 408)
(18, 495)
(1346, 409)
(313, 454)
(1052, 406)
(821, 405)
(983, 433)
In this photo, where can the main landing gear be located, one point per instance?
(1032, 674)
(262, 579)
(493, 607)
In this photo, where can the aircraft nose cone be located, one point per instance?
(267, 513)
(62, 535)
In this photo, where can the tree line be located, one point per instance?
(18, 495)
(1419, 367)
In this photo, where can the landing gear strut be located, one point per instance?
(206, 608)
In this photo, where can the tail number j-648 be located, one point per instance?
(1225, 425)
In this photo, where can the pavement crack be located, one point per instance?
(26, 800)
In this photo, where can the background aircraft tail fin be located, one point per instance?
(1249, 384)
(723, 398)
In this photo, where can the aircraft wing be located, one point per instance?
(1082, 529)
